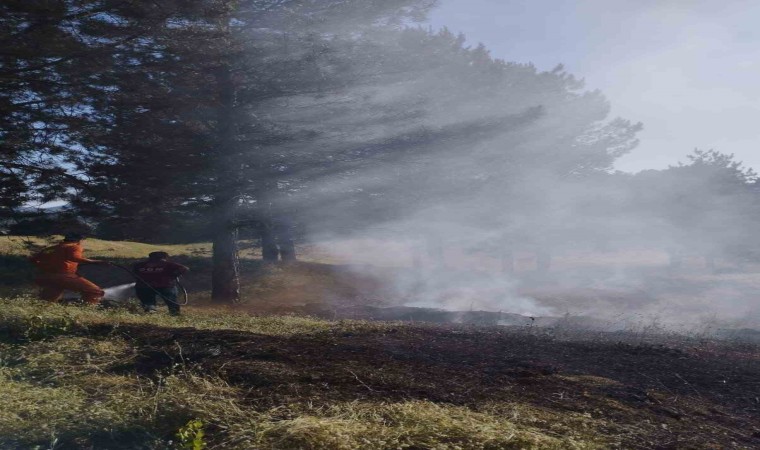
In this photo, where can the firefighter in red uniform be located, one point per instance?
(157, 276)
(57, 271)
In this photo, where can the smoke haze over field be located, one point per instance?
(479, 174)
(525, 188)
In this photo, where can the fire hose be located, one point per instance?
(180, 287)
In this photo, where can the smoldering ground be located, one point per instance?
(634, 289)
(456, 187)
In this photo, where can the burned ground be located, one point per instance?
(268, 374)
(664, 392)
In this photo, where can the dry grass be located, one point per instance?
(96, 248)
(127, 412)
(412, 424)
(70, 378)
(34, 316)
(265, 287)
(64, 388)
(77, 377)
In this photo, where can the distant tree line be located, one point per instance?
(179, 120)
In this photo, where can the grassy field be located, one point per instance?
(623, 288)
(251, 377)
(96, 248)
(264, 287)
(77, 377)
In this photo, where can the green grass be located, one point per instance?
(26, 313)
(65, 388)
(96, 248)
(140, 413)
(264, 286)
(79, 377)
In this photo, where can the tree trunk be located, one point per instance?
(269, 250)
(286, 244)
(225, 274)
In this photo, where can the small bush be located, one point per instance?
(190, 436)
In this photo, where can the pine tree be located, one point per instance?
(179, 115)
(298, 117)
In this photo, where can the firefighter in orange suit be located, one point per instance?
(57, 271)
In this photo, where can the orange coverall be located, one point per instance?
(57, 267)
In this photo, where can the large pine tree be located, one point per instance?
(299, 116)
(163, 100)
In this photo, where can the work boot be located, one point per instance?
(174, 313)
(151, 309)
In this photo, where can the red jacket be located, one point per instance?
(158, 274)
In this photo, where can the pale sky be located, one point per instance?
(688, 69)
